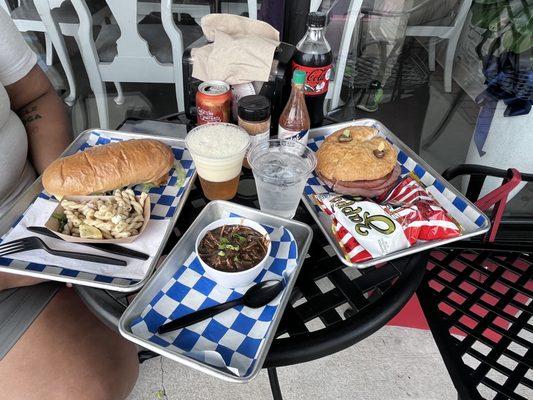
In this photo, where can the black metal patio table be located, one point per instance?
(332, 306)
(343, 304)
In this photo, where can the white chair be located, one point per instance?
(146, 7)
(27, 18)
(196, 11)
(252, 9)
(314, 5)
(131, 52)
(29, 23)
(353, 14)
(239, 8)
(449, 33)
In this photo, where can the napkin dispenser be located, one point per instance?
(277, 89)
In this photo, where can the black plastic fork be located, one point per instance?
(34, 243)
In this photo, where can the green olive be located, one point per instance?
(344, 139)
(379, 153)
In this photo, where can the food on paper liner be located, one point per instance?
(108, 167)
(121, 217)
(356, 161)
(367, 229)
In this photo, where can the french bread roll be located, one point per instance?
(107, 167)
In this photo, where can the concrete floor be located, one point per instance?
(394, 363)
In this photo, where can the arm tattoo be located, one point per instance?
(29, 114)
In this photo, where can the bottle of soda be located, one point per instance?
(313, 55)
(294, 120)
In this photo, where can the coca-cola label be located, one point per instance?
(317, 78)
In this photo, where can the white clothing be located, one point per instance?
(16, 60)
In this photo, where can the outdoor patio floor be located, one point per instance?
(394, 363)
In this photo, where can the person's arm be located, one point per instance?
(44, 116)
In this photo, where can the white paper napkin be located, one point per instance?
(38, 214)
(251, 45)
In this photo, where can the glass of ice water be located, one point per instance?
(281, 169)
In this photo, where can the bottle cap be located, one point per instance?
(298, 77)
(253, 108)
(316, 19)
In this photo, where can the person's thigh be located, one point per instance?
(8, 281)
(67, 353)
(19, 307)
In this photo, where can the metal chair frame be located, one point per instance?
(482, 291)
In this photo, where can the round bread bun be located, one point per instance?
(355, 160)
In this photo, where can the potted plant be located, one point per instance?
(503, 136)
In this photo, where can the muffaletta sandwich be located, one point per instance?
(103, 168)
(357, 161)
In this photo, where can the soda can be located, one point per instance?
(213, 102)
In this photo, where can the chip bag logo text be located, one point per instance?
(365, 222)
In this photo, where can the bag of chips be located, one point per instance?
(435, 223)
(366, 229)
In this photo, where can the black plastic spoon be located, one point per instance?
(257, 296)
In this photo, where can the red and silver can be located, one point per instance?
(213, 102)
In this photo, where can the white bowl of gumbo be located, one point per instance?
(233, 251)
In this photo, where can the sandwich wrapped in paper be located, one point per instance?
(366, 229)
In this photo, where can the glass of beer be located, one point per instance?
(218, 150)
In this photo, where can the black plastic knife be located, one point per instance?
(109, 247)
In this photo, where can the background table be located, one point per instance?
(332, 306)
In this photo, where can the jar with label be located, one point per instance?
(254, 117)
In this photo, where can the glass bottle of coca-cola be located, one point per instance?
(313, 55)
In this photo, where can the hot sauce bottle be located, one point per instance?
(294, 122)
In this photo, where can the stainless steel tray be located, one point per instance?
(213, 211)
(86, 279)
(472, 220)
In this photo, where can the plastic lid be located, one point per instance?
(316, 19)
(298, 77)
(254, 108)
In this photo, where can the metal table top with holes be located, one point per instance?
(477, 298)
(332, 306)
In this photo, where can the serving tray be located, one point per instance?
(473, 222)
(234, 344)
(166, 203)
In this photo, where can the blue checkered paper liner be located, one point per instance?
(164, 201)
(165, 198)
(408, 165)
(231, 340)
